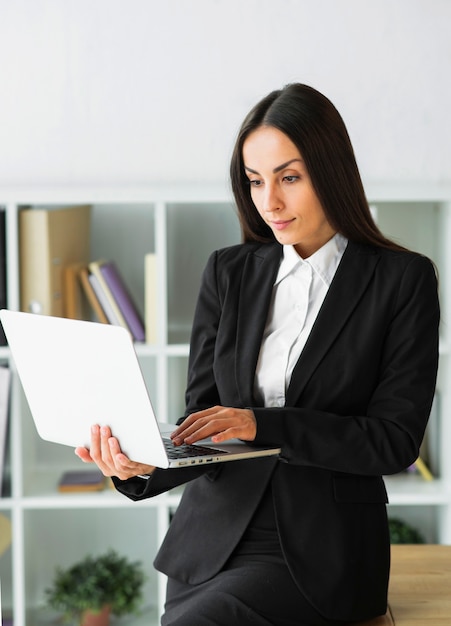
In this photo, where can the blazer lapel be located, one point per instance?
(350, 282)
(259, 273)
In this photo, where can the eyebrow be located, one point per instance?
(277, 169)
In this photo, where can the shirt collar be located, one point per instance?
(324, 261)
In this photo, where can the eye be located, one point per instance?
(255, 182)
(291, 178)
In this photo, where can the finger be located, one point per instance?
(106, 452)
(202, 429)
(194, 422)
(241, 425)
(230, 433)
(115, 462)
(119, 460)
(105, 435)
(218, 422)
(94, 450)
(124, 468)
(100, 451)
(191, 419)
(187, 423)
(83, 454)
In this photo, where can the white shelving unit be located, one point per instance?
(182, 225)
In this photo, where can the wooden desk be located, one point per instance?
(420, 585)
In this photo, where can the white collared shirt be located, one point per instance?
(298, 293)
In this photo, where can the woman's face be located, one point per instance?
(282, 191)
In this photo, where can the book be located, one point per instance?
(49, 240)
(5, 377)
(420, 467)
(113, 307)
(5, 533)
(150, 296)
(3, 292)
(74, 297)
(423, 469)
(117, 302)
(103, 300)
(81, 480)
(91, 295)
(123, 299)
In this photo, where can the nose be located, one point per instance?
(272, 200)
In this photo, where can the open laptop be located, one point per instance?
(76, 373)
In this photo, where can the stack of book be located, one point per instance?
(109, 297)
(58, 278)
(81, 480)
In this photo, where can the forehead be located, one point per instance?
(267, 143)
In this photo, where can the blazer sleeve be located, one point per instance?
(162, 480)
(385, 436)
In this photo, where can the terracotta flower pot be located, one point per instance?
(102, 618)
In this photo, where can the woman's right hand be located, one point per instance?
(106, 453)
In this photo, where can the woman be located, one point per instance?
(318, 335)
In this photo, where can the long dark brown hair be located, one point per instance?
(316, 128)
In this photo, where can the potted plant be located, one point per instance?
(401, 532)
(95, 587)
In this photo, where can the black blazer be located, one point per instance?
(356, 409)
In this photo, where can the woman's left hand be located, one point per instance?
(106, 453)
(218, 422)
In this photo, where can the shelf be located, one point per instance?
(146, 349)
(414, 490)
(408, 191)
(98, 500)
(42, 494)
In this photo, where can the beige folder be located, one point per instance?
(50, 239)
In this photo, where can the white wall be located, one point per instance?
(142, 91)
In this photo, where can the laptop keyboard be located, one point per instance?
(185, 450)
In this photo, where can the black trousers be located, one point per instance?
(246, 592)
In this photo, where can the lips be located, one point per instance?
(281, 224)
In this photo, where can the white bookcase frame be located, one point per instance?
(185, 224)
